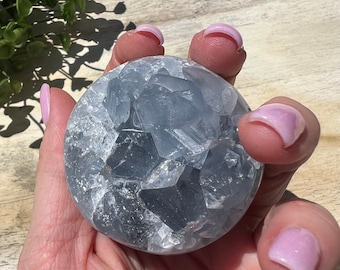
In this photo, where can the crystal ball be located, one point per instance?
(153, 159)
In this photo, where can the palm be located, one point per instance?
(74, 244)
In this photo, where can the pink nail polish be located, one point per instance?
(227, 30)
(45, 102)
(296, 249)
(151, 29)
(284, 119)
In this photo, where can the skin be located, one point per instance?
(59, 238)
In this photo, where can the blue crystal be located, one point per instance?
(153, 159)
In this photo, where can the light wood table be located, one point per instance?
(293, 50)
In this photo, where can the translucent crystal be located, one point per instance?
(153, 159)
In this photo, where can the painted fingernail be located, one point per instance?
(284, 119)
(151, 29)
(296, 249)
(227, 30)
(45, 102)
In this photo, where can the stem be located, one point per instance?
(5, 74)
(10, 6)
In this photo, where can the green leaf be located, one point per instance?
(24, 8)
(10, 26)
(65, 39)
(21, 37)
(81, 4)
(8, 35)
(16, 86)
(35, 48)
(68, 10)
(8, 32)
(6, 49)
(18, 36)
(24, 24)
(5, 91)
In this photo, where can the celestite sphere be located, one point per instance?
(153, 159)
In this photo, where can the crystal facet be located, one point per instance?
(153, 159)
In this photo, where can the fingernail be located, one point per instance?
(227, 30)
(284, 119)
(45, 102)
(151, 29)
(296, 249)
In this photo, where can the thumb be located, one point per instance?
(298, 234)
(51, 198)
(55, 220)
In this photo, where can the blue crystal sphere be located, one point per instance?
(153, 159)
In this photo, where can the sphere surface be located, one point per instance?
(153, 159)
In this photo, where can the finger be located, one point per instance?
(220, 49)
(55, 220)
(145, 40)
(282, 134)
(52, 201)
(299, 235)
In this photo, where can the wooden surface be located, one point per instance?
(293, 50)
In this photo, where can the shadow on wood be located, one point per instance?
(90, 36)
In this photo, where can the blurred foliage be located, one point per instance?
(19, 44)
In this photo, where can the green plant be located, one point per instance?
(19, 43)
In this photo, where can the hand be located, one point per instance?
(276, 231)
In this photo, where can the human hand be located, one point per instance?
(275, 232)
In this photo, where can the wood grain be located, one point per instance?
(293, 50)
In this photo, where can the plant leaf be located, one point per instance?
(10, 26)
(16, 86)
(21, 37)
(81, 4)
(8, 35)
(24, 8)
(6, 49)
(35, 48)
(68, 10)
(65, 39)
(5, 91)
(18, 35)
(8, 31)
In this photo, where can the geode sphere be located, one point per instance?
(153, 159)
